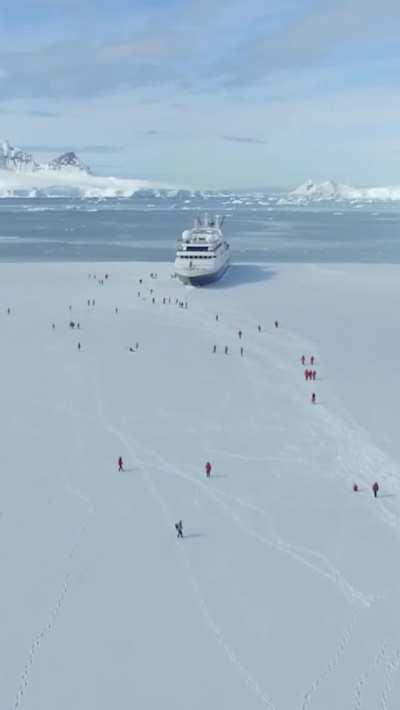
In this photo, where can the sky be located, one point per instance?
(217, 94)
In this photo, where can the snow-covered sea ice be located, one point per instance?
(283, 592)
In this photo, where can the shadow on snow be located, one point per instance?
(239, 274)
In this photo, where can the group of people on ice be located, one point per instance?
(165, 301)
(310, 374)
(226, 350)
(179, 524)
(207, 467)
(303, 360)
(240, 335)
(375, 488)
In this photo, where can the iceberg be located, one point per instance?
(331, 190)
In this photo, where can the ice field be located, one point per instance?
(284, 591)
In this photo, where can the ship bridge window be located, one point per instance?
(196, 256)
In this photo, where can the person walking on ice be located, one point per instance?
(120, 464)
(375, 489)
(179, 528)
(313, 398)
(303, 360)
(207, 469)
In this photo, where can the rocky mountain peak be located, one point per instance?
(68, 161)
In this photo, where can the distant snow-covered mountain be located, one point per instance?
(65, 176)
(16, 160)
(331, 190)
(68, 176)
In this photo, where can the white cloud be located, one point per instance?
(188, 82)
(311, 38)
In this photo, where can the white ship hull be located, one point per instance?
(197, 277)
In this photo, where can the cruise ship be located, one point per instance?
(203, 254)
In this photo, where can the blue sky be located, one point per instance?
(207, 93)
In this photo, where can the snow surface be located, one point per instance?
(284, 592)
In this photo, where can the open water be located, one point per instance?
(137, 229)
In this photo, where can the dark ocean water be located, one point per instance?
(140, 229)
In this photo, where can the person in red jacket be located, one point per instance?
(208, 469)
(375, 489)
(120, 464)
